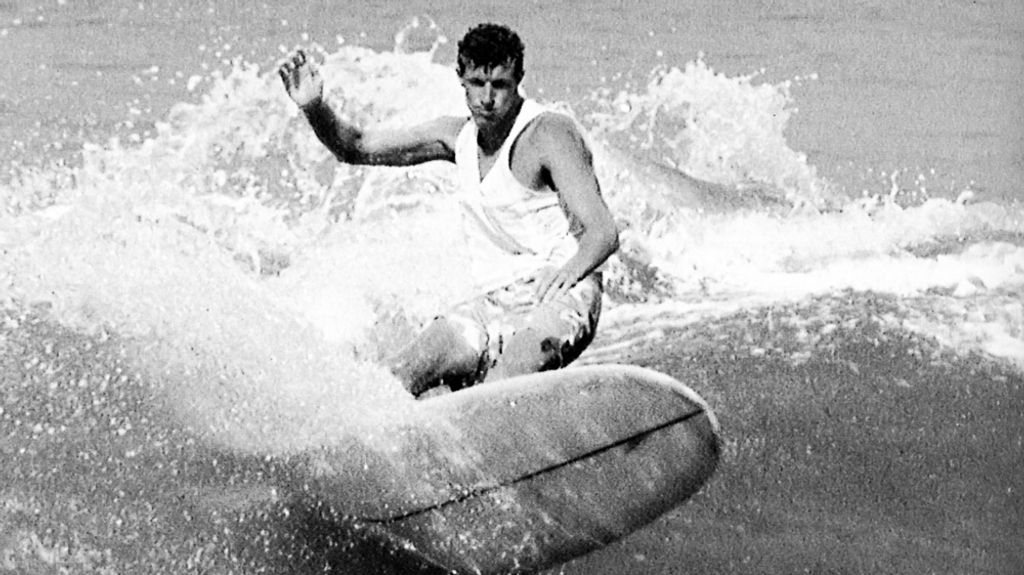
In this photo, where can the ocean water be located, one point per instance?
(822, 234)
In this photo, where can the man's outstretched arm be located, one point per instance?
(434, 140)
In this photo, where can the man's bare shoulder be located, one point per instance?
(554, 134)
(555, 124)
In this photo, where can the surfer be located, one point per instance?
(532, 207)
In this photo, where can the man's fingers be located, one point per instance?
(302, 63)
(554, 293)
(291, 69)
(542, 291)
(544, 281)
(562, 292)
(287, 73)
(546, 295)
(558, 286)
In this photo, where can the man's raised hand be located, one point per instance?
(301, 79)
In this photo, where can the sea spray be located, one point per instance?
(716, 128)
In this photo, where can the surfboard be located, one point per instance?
(518, 475)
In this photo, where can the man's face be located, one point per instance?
(491, 93)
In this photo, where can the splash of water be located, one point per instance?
(727, 130)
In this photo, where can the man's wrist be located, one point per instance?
(312, 106)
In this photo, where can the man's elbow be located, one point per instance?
(351, 151)
(349, 156)
(611, 239)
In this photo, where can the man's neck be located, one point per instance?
(490, 140)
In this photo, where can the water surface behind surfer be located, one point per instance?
(532, 209)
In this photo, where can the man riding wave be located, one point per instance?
(532, 208)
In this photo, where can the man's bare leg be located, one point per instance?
(442, 354)
(553, 336)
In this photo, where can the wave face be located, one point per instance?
(185, 313)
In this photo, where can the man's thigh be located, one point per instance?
(511, 318)
(563, 327)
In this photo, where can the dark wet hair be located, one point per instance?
(489, 46)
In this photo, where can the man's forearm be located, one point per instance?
(339, 137)
(594, 249)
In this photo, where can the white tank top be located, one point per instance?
(514, 230)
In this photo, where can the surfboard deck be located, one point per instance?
(521, 474)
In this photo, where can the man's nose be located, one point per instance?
(487, 97)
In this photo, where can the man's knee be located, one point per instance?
(530, 350)
(465, 340)
(447, 352)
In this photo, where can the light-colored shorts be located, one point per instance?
(567, 323)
